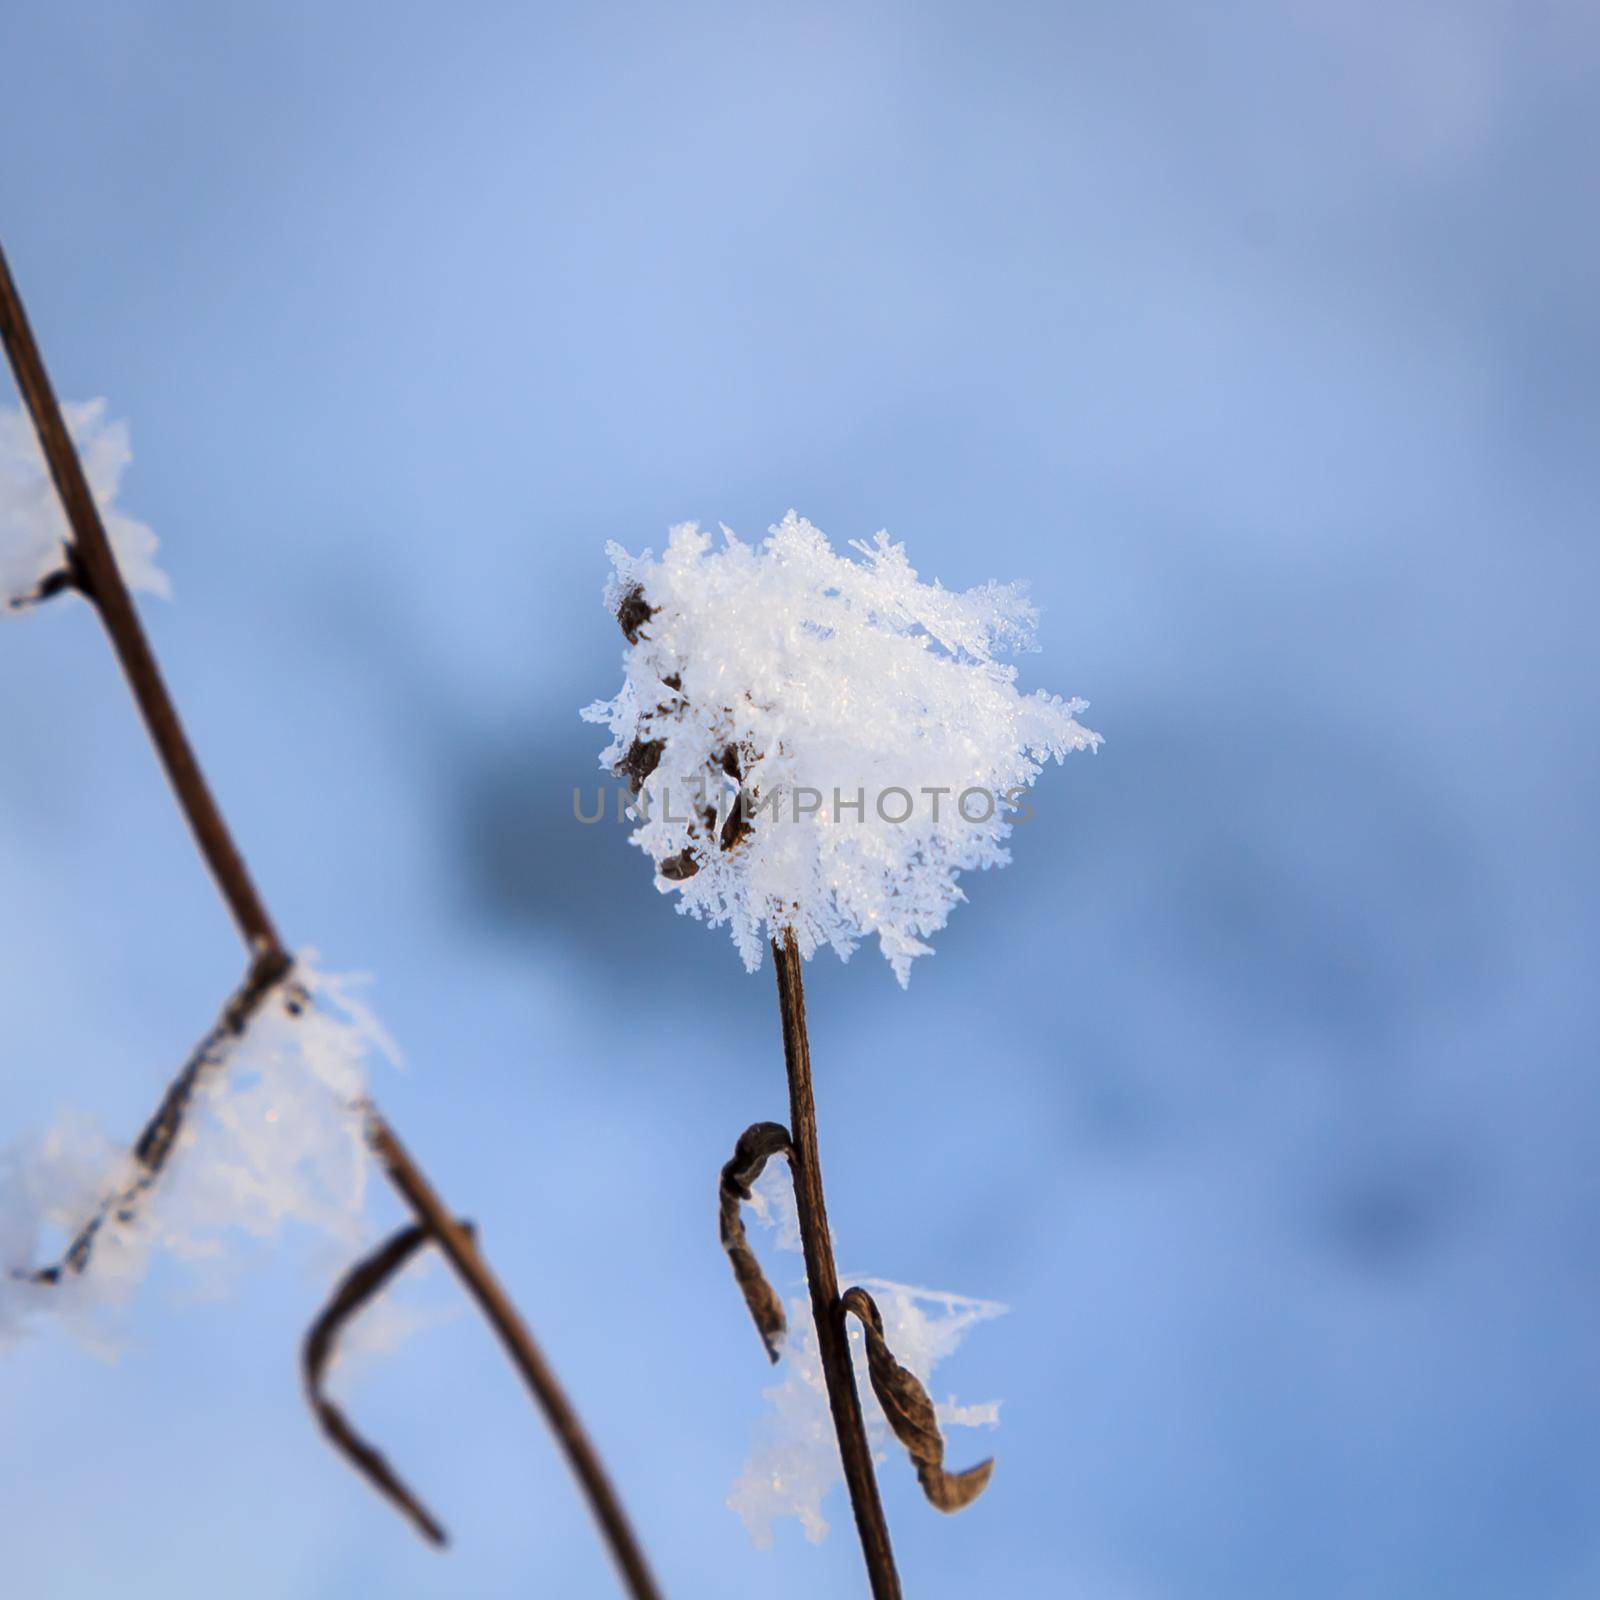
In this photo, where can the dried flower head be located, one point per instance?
(818, 742)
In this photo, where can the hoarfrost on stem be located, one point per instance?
(272, 1135)
(794, 1462)
(33, 527)
(818, 741)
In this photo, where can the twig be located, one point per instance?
(833, 1344)
(95, 569)
(364, 1280)
(102, 584)
(462, 1252)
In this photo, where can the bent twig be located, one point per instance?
(364, 1280)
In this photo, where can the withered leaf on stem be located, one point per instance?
(757, 1145)
(910, 1412)
(642, 758)
(737, 827)
(358, 1286)
(633, 611)
(676, 868)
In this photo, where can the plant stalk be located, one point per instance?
(94, 571)
(96, 574)
(461, 1250)
(833, 1341)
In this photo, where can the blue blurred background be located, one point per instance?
(1263, 339)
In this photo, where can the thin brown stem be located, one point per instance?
(95, 572)
(459, 1247)
(100, 580)
(833, 1342)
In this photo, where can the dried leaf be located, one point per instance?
(757, 1145)
(910, 1412)
(642, 758)
(677, 868)
(366, 1279)
(633, 612)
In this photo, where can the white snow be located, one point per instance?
(881, 743)
(33, 527)
(272, 1136)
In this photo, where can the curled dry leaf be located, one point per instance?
(757, 1145)
(910, 1412)
(155, 1144)
(366, 1279)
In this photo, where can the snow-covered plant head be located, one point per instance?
(819, 742)
(33, 529)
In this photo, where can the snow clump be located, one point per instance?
(818, 742)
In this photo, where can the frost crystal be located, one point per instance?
(273, 1135)
(795, 1459)
(819, 742)
(33, 527)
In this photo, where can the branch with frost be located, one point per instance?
(818, 747)
(274, 1088)
(259, 1127)
(99, 566)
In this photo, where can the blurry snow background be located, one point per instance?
(1262, 1090)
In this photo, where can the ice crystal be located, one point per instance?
(820, 742)
(33, 527)
(273, 1135)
